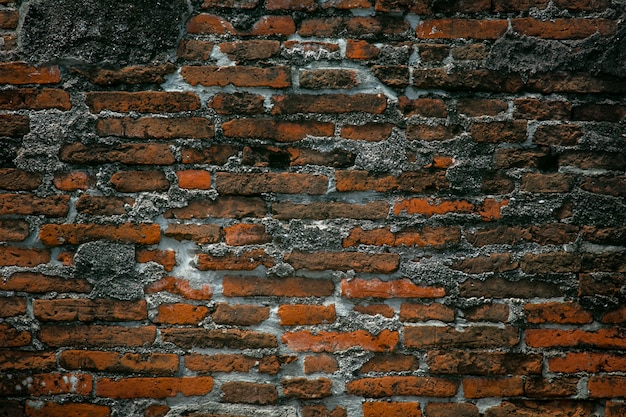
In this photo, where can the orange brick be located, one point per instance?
(399, 288)
(303, 314)
(305, 341)
(395, 409)
(181, 314)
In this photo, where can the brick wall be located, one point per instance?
(319, 209)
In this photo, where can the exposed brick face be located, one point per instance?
(321, 208)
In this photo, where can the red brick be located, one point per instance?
(461, 28)
(11, 337)
(103, 206)
(249, 393)
(321, 27)
(573, 28)
(239, 76)
(14, 125)
(270, 182)
(114, 362)
(390, 362)
(343, 261)
(399, 288)
(320, 363)
(240, 314)
(470, 337)
(279, 131)
(138, 74)
(96, 335)
(607, 386)
(13, 230)
(35, 99)
(180, 313)
(218, 338)
(500, 387)
(412, 312)
(438, 237)
(125, 153)
(27, 361)
(75, 234)
(305, 341)
(86, 310)
(159, 387)
(245, 261)
(387, 386)
(370, 132)
(375, 309)
(73, 180)
(321, 78)
(488, 210)
(306, 314)
(199, 233)
(250, 49)
(476, 107)
(246, 234)
(143, 102)
(357, 49)
(464, 362)
(395, 409)
(12, 256)
(45, 384)
(156, 128)
(39, 283)
(416, 182)
(329, 103)
(277, 287)
(135, 181)
(592, 362)
(214, 154)
(329, 210)
(237, 103)
(180, 287)
(451, 410)
(610, 338)
(556, 312)
(228, 207)
(53, 409)
(307, 389)
(20, 73)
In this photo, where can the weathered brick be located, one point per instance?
(425, 107)
(466, 80)
(573, 28)
(305, 341)
(550, 262)
(555, 312)
(329, 103)
(134, 181)
(54, 409)
(329, 210)
(180, 287)
(417, 181)
(387, 386)
(534, 408)
(322, 78)
(399, 288)
(599, 112)
(305, 314)
(237, 103)
(358, 49)
(246, 261)
(137, 74)
(461, 28)
(75, 234)
(214, 155)
(125, 153)
(96, 335)
(12, 306)
(492, 387)
(14, 230)
(476, 107)
(18, 256)
(45, 384)
(412, 312)
(615, 186)
(240, 314)
(231, 4)
(19, 73)
(463, 362)
(395, 76)
(114, 362)
(200, 233)
(471, 337)
(282, 183)
(278, 287)
(249, 393)
(250, 49)
(181, 314)
(73, 180)
(35, 99)
(35, 362)
(156, 128)
(223, 362)
(390, 362)
(592, 362)
(33, 282)
(432, 133)
(546, 183)
(563, 134)
(395, 409)
(103, 206)
(488, 210)
(155, 387)
(433, 52)
(497, 313)
(320, 363)
(143, 102)
(306, 389)
(498, 132)
(283, 157)
(194, 49)
(14, 125)
(239, 76)
(343, 261)
(539, 387)
(607, 386)
(451, 410)
(438, 237)
(218, 338)
(279, 131)
(375, 309)
(502, 288)
(370, 132)
(494, 262)
(228, 207)
(87, 310)
(536, 109)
